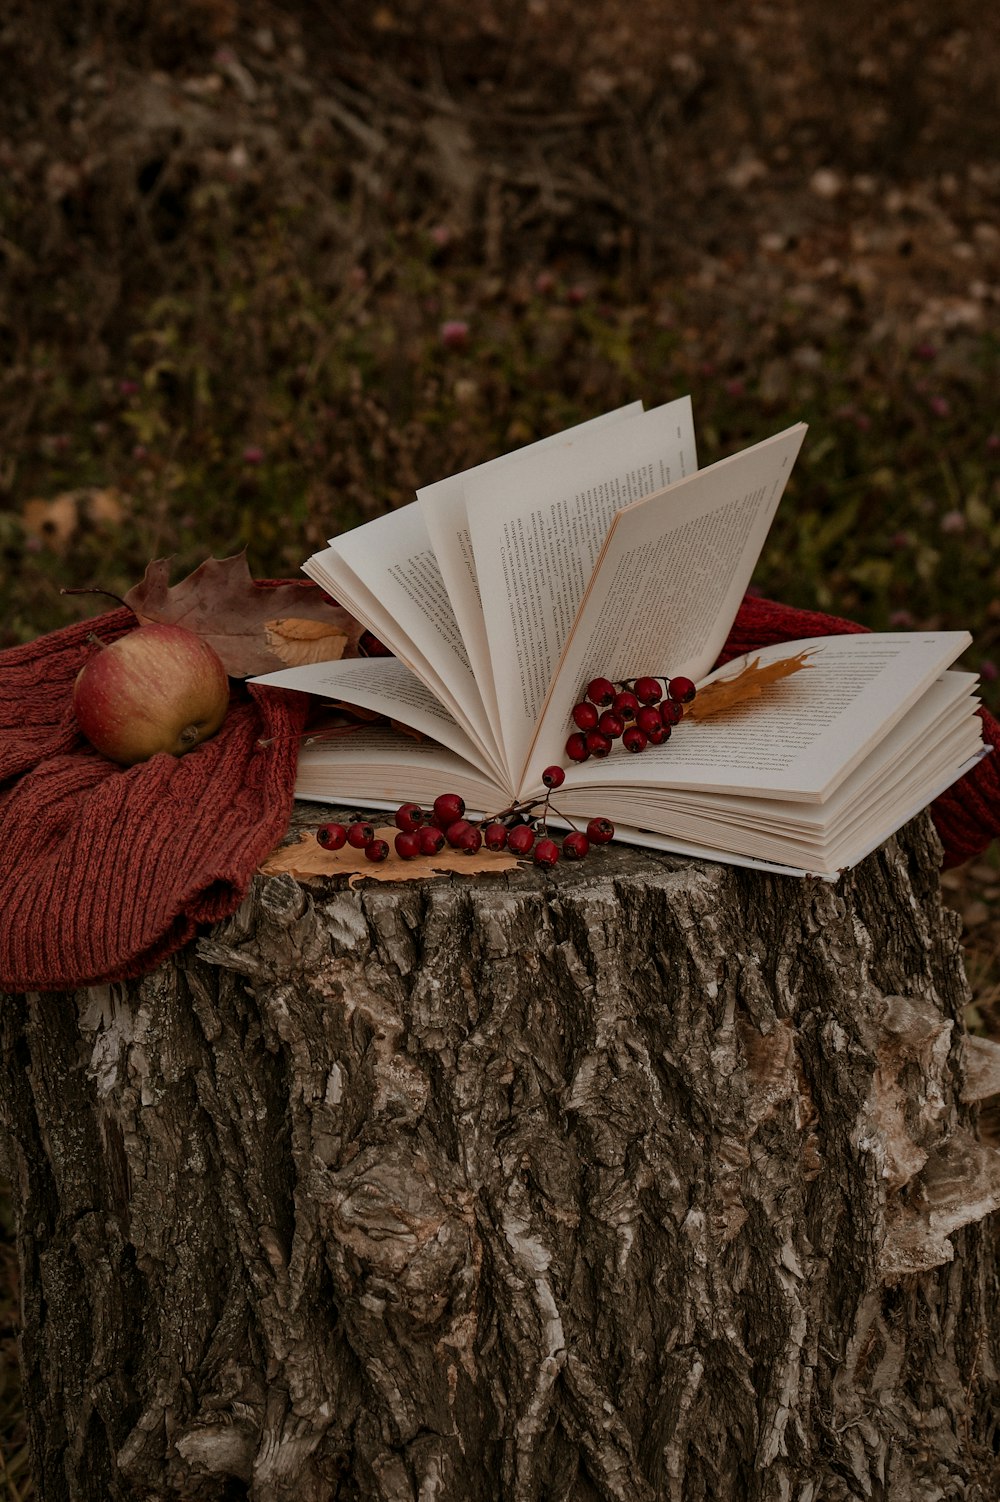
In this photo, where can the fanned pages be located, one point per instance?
(444, 506)
(604, 551)
(668, 581)
(537, 528)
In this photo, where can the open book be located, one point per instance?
(606, 551)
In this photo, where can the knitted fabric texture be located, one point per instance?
(104, 871)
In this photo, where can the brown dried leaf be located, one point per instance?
(308, 859)
(221, 603)
(373, 717)
(297, 642)
(356, 711)
(726, 693)
(408, 730)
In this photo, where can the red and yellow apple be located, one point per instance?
(160, 688)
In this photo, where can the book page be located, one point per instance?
(387, 687)
(941, 729)
(935, 742)
(379, 768)
(667, 584)
(805, 734)
(329, 570)
(537, 529)
(942, 719)
(824, 854)
(445, 514)
(393, 559)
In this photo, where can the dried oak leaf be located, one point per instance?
(726, 693)
(373, 717)
(308, 859)
(221, 603)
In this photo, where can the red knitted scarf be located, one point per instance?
(104, 871)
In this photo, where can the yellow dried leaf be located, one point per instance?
(308, 859)
(52, 522)
(55, 522)
(298, 642)
(726, 693)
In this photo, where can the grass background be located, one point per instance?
(266, 268)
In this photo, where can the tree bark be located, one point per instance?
(647, 1179)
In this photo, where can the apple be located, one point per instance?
(160, 688)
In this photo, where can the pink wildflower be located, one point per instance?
(455, 333)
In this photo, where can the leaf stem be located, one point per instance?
(93, 590)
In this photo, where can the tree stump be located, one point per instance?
(646, 1179)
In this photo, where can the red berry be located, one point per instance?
(648, 718)
(407, 843)
(601, 691)
(456, 832)
(600, 831)
(611, 724)
(635, 739)
(626, 704)
(598, 744)
(471, 841)
(682, 690)
(671, 713)
(546, 853)
(447, 808)
(648, 690)
(553, 777)
(430, 839)
(409, 816)
(377, 850)
(331, 836)
(575, 845)
(658, 735)
(584, 716)
(520, 839)
(495, 835)
(359, 834)
(576, 746)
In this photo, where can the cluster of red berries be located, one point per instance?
(639, 712)
(520, 829)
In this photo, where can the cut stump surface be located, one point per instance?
(647, 1180)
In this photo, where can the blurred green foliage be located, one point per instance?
(250, 302)
(252, 412)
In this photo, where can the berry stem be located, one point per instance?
(565, 817)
